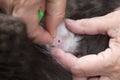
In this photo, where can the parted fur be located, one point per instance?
(21, 59)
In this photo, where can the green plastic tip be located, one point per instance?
(40, 14)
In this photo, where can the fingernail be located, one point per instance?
(51, 40)
(70, 22)
(53, 35)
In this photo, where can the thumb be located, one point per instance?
(91, 65)
(55, 10)
(96, 25)
(65, 59)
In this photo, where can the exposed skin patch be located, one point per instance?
(65, 39)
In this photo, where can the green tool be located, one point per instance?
(40, 14)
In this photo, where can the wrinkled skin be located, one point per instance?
(106, 63)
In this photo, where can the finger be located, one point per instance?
(42, 5)
(104, 78)
(79, 65)
(66, 59)
(27, 10)
(87, 26)
(94, 25)
(96, 78)
(94, 65)
(91, 65)
(54, 14)
(39, 34)
(79, 78)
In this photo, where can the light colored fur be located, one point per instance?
(65, 39)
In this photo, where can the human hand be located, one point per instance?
(27, 10)
(105, 64)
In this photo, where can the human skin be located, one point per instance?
(106, 63)
(27, 10)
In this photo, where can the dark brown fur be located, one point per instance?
(21, 59)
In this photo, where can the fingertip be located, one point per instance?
(59, 55)
(67, 60)
(53, 33)
(72, 25)
(69, 23)
(89, 26)
(56, 52)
